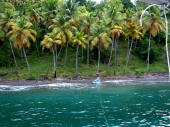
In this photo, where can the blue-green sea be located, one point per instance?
(111, 104)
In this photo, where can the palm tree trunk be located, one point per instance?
(56, 54)
(82, 53)
(88, 55)
(128, 55)
(37, 49)
(167, 52)
(149, 47)
(98, 67)
(111, 52)
(60, 51)
(65, 60)
(28, 66)
(136, 43)
(77, 51)
(115, 64)
(36, 45)
(13, 54)
(54, 60)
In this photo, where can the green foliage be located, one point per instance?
(142, 50)
(5, 55)
(79, 23)
(127, 4)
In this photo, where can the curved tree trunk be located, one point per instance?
(167, 52)
(65, 60)
(149, 47)
(115, 64)
(88, 55)
(98, 66)
(77, 52)
(54, 60)
(111, 52)
(13, 54)
(28, 66)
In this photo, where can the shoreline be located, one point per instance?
(154, 77)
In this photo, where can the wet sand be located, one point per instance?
(151, 77)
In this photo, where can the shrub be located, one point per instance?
(142, 50)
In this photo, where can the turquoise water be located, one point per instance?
(108, 105)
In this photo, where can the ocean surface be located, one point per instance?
(110, 104)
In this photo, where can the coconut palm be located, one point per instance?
(79, 40)
(61, 27)
(50, 41)
(34, 19)
(70, 7)
(133, 31)
(116, 31)
(20, 35)
(113, 17)
(6, 22)
(153, 22)
(100, 39)
(88, 20)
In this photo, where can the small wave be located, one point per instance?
(118, 81)
(15, 88)
(48, 86)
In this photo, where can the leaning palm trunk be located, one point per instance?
(111, 52)
(28, 66)
(54, 60)
(115, 64)
(98, 67)
(13, 54)
(77, 51)
(149, 47)
(65, 60)
(166, 21)
(88, 55)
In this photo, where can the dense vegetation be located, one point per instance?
(65, 38)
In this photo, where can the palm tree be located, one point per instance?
(79, 40)
(116, 31)
(153, 22)
(34, 19)
(100, 39)
(133, 31)
(6, 23)
(89, 19)
(50, 41)
(20, 35)
(113, 17)
(61, 27)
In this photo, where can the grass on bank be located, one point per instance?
(42, 66)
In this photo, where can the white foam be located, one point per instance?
(53, 86)
(118, 81)
(15, 88)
